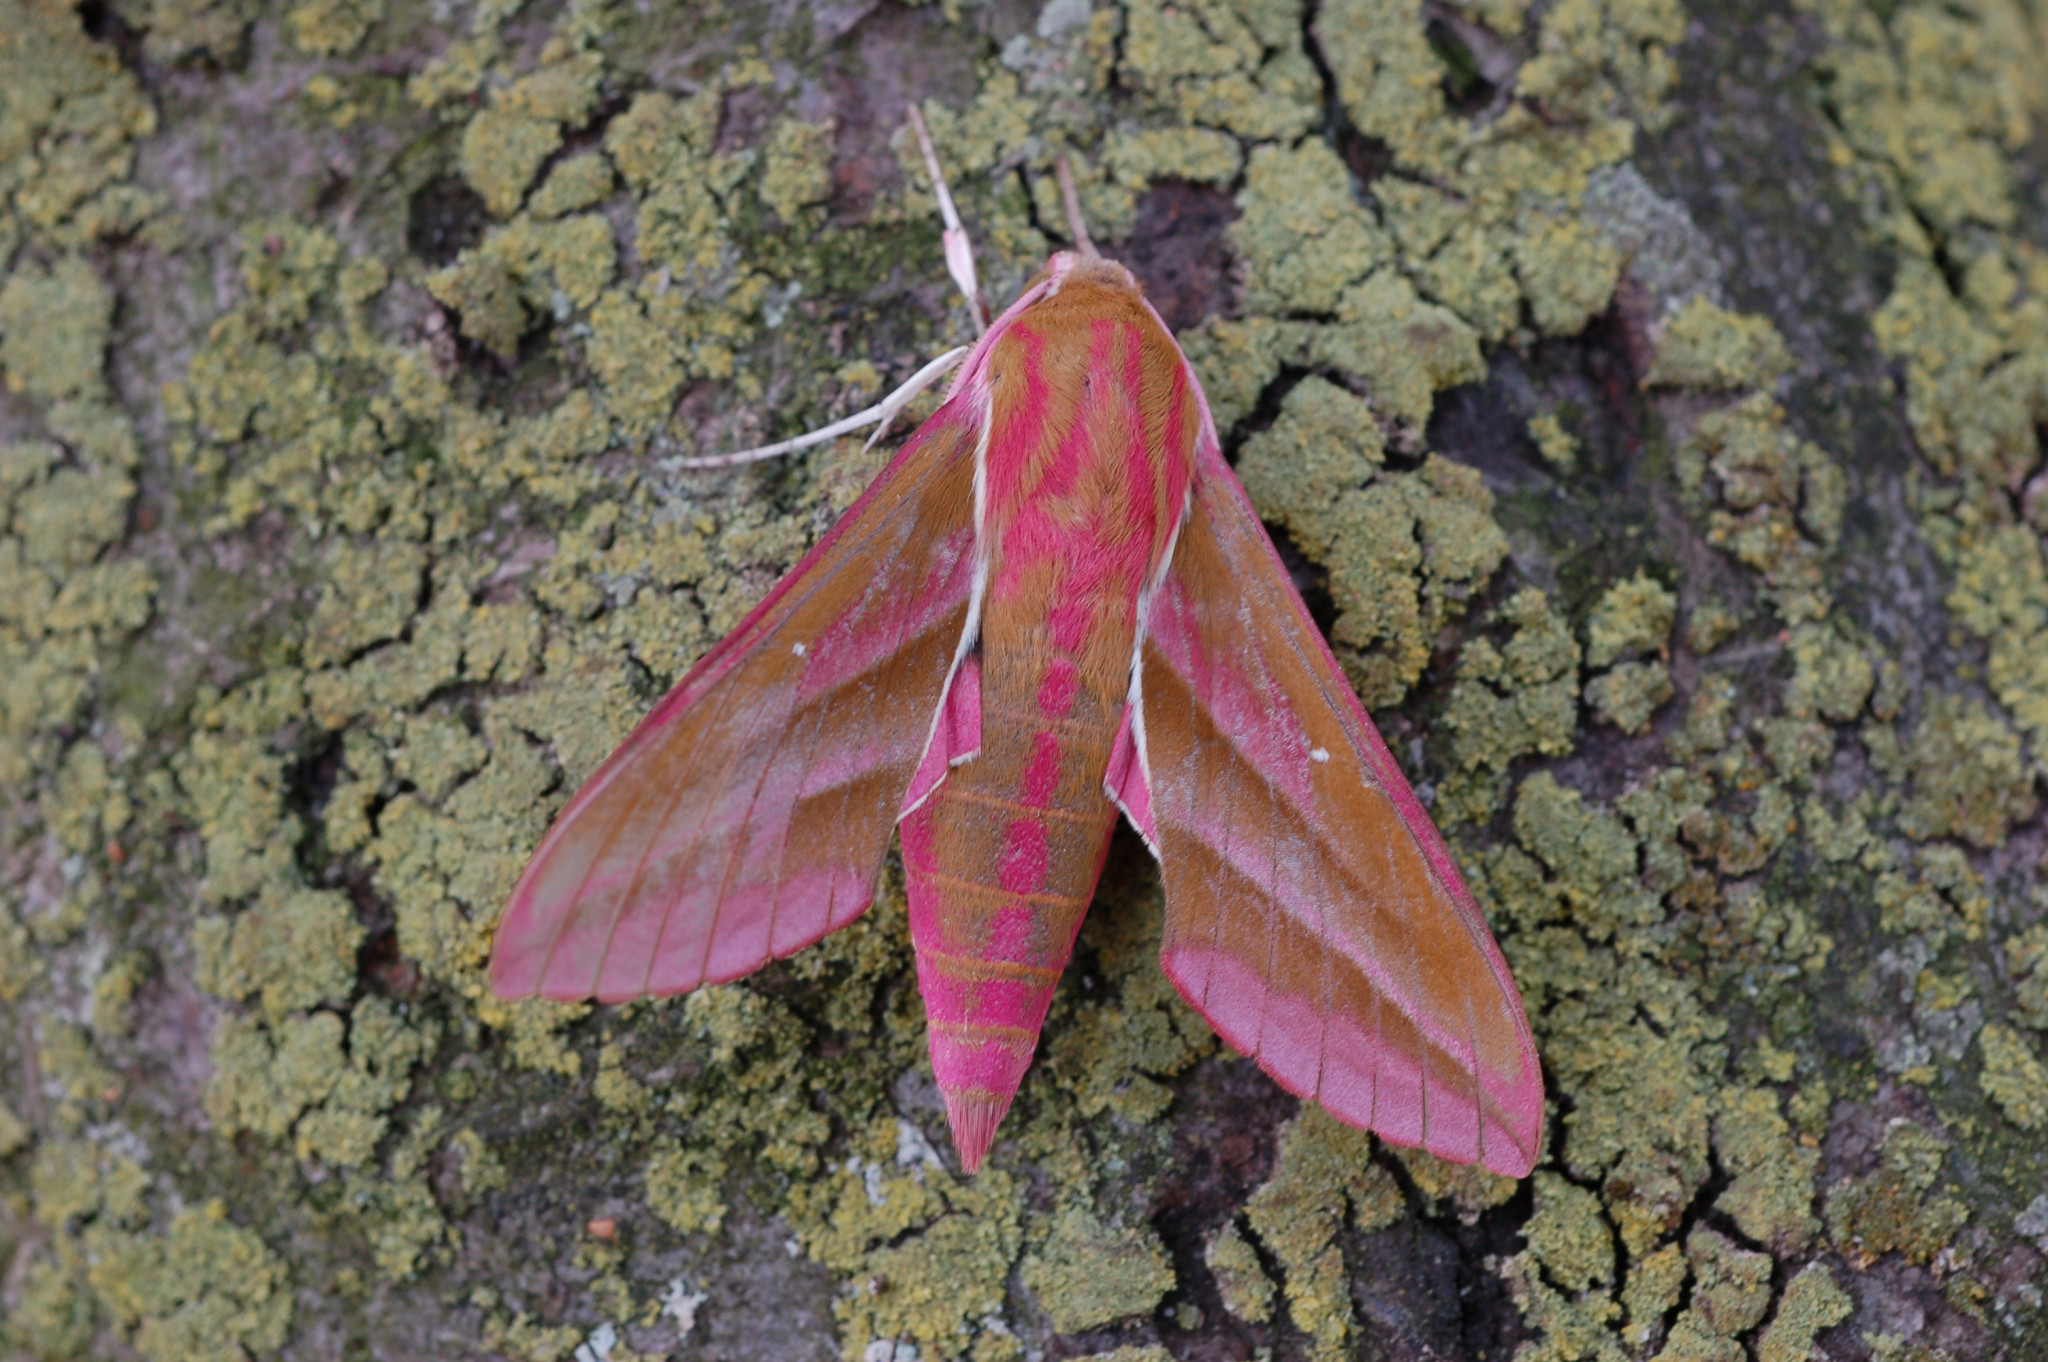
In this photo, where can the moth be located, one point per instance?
(1054, 607)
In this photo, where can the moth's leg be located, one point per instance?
(959, 264)
(959, 250)
(878, 416)
(1076, 224)
(887, 409)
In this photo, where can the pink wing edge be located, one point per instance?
(1128, 783)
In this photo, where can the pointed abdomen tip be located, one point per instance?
(973, 1116)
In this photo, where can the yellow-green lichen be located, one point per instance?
(486, 300)
(576, 183)
(2001, 594)
(528, 268)
(1512, 173)
(795, 169)
(1508, 702)
(1771, 1174)
(1970, 777)
(52, 1314)
(1897, 1209)
(1595, 57)
(686, 1188)
(1945, 900)
(1630, 693)
(1466, 1190)
(1643, 1092)
(68, 1057)
(1831, 677)
(1404, 550)
(1731, 1285)
(1569, 1237)
(1113, 1050)
(332, 27)
(1323, 1179)
(1087, 1274)
(2014, 1077)
(53, 329)
(113, 995)
(205, 1285)
(2026, 953)
(74, 1179)
(1388, 77)
(1139, 156)
(501, 151)
(1930, 104)
(327, 1083)
(1402, 346)
(294, 952)
(1246, 1289)
(1333, 242)
(1324, 442)
(1812, 1302)
(20, 965)
(483, 1172)
(929, 1255)
(1567, 1329)
(504, 146)
(14, 1134)
(68, 517)
(1652, 1291)
(1567, 271)
(1558, 446)
(200, 1286)
(183, 28)
(1776, 500)
(1237, 68)
(67, 131)
(1707, 347)
(1632, 618)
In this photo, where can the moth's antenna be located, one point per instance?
(1076, 224)
(878, 416)
(959, 250)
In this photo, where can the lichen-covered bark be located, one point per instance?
(1650, 398)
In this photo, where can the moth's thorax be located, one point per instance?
(1090, 448)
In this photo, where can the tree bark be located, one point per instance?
(1649, 402)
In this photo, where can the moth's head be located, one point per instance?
(1073, 267)
(1070, 280)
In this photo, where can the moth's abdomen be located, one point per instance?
(1085, 473)
(1001, 863)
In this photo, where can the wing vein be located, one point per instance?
(1281, 812)
(668, 908)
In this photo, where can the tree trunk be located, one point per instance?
(1649, 403)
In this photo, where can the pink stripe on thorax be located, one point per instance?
(1097, 559)
(1026, 416)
